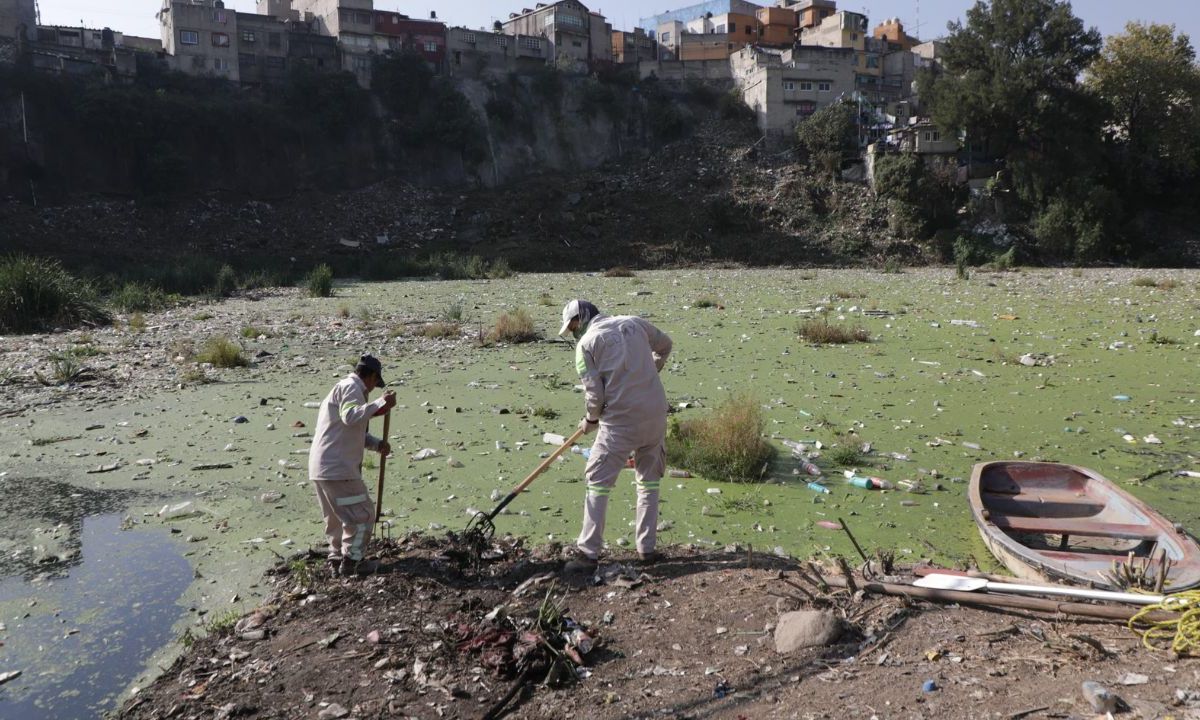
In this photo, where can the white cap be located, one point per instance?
(581, 309)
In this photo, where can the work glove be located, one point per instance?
(588, 426)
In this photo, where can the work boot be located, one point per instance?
(351, 568)
(649, 558)
(578, 562)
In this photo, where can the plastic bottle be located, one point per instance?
(818, 487)
(799, 445)
(810, 468)
(867, 483)
(678, 473)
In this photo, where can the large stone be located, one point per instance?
(804, 629)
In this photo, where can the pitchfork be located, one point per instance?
(481, 529)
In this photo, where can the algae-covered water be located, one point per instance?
(1125, 362)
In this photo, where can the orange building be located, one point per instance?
(777, 26)
(812, 12)
(892, 30)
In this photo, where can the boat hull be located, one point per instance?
(1056, 522)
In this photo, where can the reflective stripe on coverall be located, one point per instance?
(349, 516)
(619, 359)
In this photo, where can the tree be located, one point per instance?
(829, 136)
(1011, 80)
(1149, 78)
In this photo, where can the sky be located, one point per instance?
(136, 17)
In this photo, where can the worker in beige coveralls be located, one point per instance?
(619, 359)
(335, 464)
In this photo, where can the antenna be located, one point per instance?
(917, 29)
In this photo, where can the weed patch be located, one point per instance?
(320, 282)
(619, 272)
(707, 301)
(514, 326)
(223, 353)
(845, 456)
(441, 330)
(140, 297)
(725, 444)
(824, 333)
(39, 294)
(251, 332)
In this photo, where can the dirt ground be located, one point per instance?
(688, 637)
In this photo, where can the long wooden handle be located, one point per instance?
(546, 463)
(387, 428)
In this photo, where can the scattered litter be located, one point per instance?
(105, 468)
(212, 466)
(424, 454)
(929, 686)
(1131, 678)
(1152, 439)
(10, 675)
(172, 512)
(829, 525)
(1098, 696)
(713, 491)
(1121, 398)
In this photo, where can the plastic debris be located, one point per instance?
(553, 438)
(929, 686)
(1098, 696)
(1121, 398)
(424, 454)
(818, 487)
(829, 525)
(183, 509)
(678, 473)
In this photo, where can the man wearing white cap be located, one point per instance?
(619, 359)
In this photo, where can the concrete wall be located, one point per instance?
(782, 88)
(678, 71)
(475, 53)
(566, 24)
(17, 13)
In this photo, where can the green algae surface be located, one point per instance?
(1114, 389)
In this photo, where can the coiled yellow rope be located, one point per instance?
(1180, 634)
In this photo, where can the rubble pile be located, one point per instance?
(714, 196)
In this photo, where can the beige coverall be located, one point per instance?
(335, 467)
(619, 359)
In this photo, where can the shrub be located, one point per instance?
(822, 332)
(455, 312)
(500, 270)
(829, 137)
(39, 294)
(725, 444)
(320, 282)
(251, 332)
(66, 368)
(707, 301)
(226, 283)
(222, 352)
(545, 300)
(137, 322)
(514, 326)
(619, 272)
(732, 106)
(845, 456)
(139, 297)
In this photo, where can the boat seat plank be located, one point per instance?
(1062, 526)
(1066, 497)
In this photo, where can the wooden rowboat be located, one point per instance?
(1055, 522)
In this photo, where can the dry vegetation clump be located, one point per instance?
(848, 294)
(514, 326)
(1149, 282)
(707, 301)
(441, 330)
(823, 333)
(725, 444)
(221, 352)
(619, 272)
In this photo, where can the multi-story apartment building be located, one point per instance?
(352, 22)
(783, 87)
(201, 37)
(632, 47)
(777, 26)
(699, 10)
(892, 32)
(399, 33)
(810, 13)
(576, 35)
(476, 52)
(262, 45)
(16, 16)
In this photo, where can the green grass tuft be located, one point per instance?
(223, 353)
(320, 282)
(821, 332)
(39, 294)
(725, 444)
(845, 456)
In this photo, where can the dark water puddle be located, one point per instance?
(81, 638)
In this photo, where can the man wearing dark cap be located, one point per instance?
(335, 464)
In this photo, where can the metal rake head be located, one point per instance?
(479, 532)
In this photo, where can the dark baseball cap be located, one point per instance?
(370, 362)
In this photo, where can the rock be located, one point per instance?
(806, 628)
(1130, 678)
(240, 419)
(454, 463)
(333, 710)
(1101, 700)
(270, 497)
(373, 637)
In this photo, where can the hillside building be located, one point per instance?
(575, 36)
(783, 87)
(200, 37)
(18, 17)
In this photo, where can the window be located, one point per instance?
(501, 41)
(666, 37)
(189, 37)
(853, 37)
(531, 42)
(199, 62)
(274, 41)
(220, 64)
(469, 38)
(431, 46)
(806, 85)
(732, 28)
(719, 30)
(363, 18)
(361, 63)
(220, 39)
(806, 108)
(246, 59)
(824, 86)
(248, 36)
(789, 85)
(872, 61)
(274, 63)
(219, 16)
(577, 43)
(749, 30)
